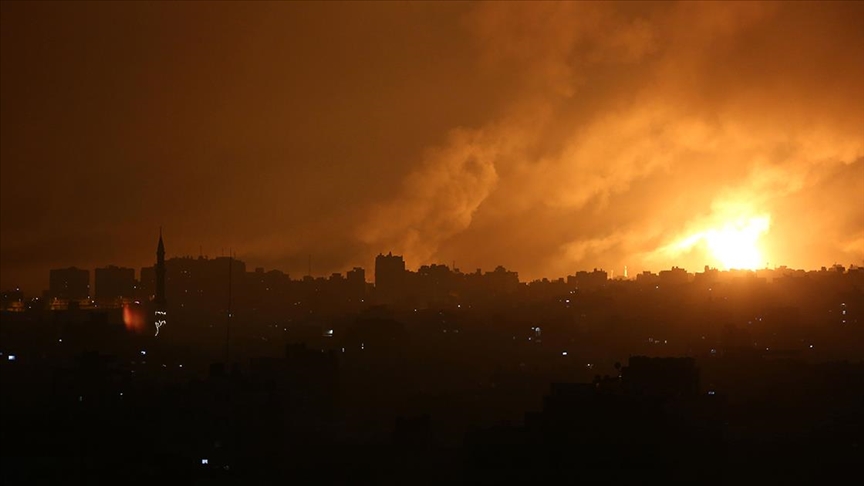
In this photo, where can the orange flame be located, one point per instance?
(133, 318)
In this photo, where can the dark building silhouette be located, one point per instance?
(356, 283)
(114, 283)
(674, 276)
(389, 277)
(69, 284)
(588, 280)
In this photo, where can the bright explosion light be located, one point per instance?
(734, 245)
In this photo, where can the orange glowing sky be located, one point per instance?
(545, 137)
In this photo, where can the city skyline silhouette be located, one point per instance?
(425, 243)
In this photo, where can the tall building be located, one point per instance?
(69, 284)
(161, 312)
(114, 283)
(389, 277)
(356, 283)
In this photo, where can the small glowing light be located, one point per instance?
(121, 394)
(711, 392)
(204, 462)
(713, 351)
(811, 346)
(143, 353)
(363, 346)
(564, 353)
(59, 340)
(11, 357)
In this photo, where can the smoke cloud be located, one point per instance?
(545, 137)
(633, 126)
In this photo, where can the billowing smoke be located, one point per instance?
(632, 128)
(546, 137)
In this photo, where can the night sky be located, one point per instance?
(547, 138)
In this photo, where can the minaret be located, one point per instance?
(161, 315)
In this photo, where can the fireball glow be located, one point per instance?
(133, 318)
(734, 245)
